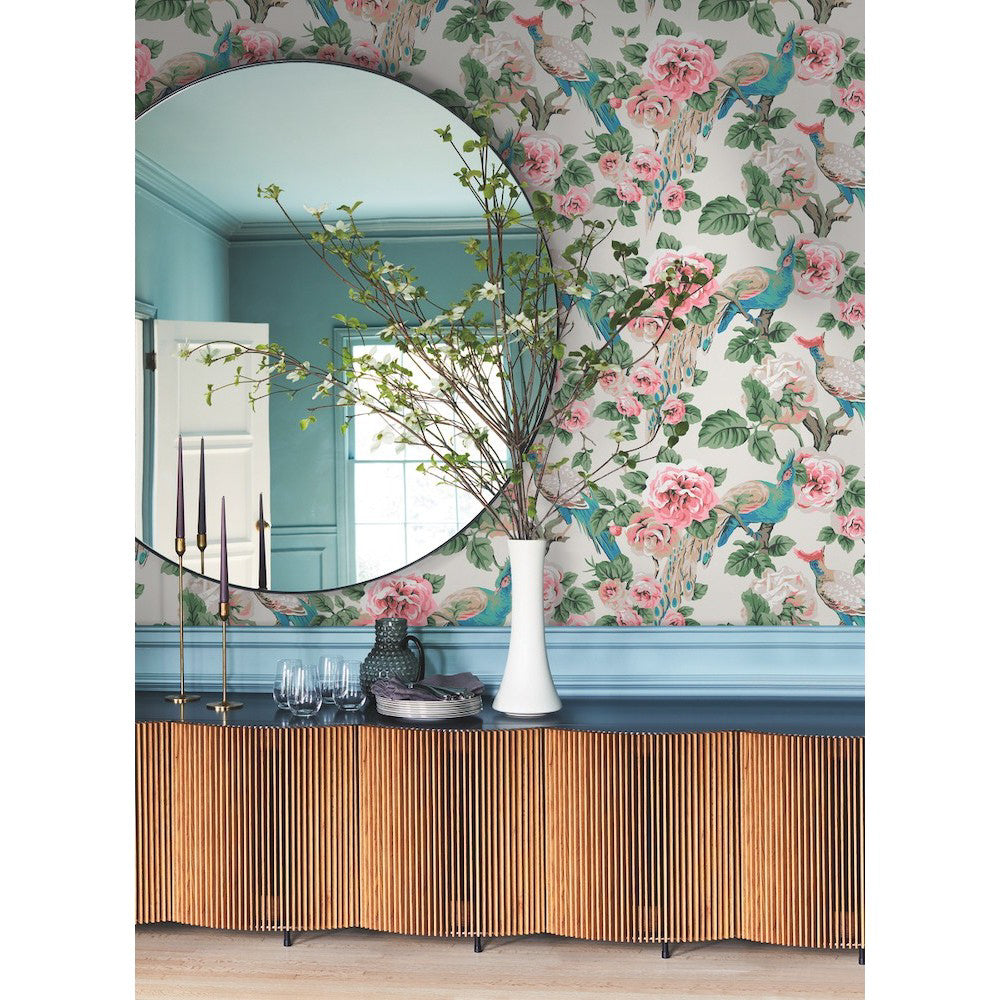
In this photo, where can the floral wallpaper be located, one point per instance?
(727, 132)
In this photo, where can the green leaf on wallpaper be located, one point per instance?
(582, 460)
(762, 232)
(855, 65)
(723, 429)
(762, 19)
(704, 316)
(826, 535)
(845, 543)
(724, 215)
(667, 242)
(436, 580)
(353, 593)
(700, 375)
(608, 197)
(780, 545)
(741, 349)
(159, 10)
(498, 10)
(155, 46)
(577, 172)
(717, 473)
(742, 132)
(169, 568)
(465, 24)
(667, 27)
(635, 481)
(827, 321)
(762, 446)
(706, 528)
(478, 84)
(706, 101)
(634, 53)
(716, 46)
(582, 32)
(671, 216)
(758, 185)
(667, 456)
(722, 10)
(859, 352)
(454, 544)
(480, 553)
(698, 164)
(199, 18)
(859, 566)
(847, 117)
(846, 329)
(669, 4)
(826, 107)
(859, 139)
(758, 610)
(780, 117)
(759, 404)
(139, 588)
(699, 591)
(748, 558)
(626, 6)
(635, 267)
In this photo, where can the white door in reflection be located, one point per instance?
(237, 445)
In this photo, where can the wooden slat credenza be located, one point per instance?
(498, 828)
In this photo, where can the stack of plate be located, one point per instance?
(429, 711)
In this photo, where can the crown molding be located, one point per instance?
(180, 196)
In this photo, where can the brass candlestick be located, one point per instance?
(202, 542)
(182, 696)
(225, 705)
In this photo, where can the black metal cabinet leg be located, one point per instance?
(288, 939)
(477, 944)
(861, 956)
(665, 950)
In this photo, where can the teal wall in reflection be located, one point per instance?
(181, 267)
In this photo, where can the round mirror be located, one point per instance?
(215, 262)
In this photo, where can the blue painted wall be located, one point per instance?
(181, 267)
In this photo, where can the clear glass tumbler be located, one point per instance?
(282, 680)
(305, 696)
(348, 692)
(330, 668)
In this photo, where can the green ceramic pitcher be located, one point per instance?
(391, 656)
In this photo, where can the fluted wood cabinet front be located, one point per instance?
(264, 827)
(451, 824)
(608, 836)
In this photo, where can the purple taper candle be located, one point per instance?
(202, 523)
(179, 529)
(262, 567)
(223, 562)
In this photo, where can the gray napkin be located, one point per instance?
(465, 685)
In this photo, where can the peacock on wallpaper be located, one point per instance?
(730, 132)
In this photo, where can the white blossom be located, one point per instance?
(490, 291)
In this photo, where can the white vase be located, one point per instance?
(527, 689)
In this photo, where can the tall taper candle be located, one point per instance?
(224, 562)
(202, 523)
(262, 566)
(179, 530)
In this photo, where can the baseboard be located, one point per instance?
(703, 661)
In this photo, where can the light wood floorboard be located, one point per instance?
(190, 963)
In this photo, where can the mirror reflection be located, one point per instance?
(216, 262)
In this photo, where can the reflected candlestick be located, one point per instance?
(223, 562)
(202, 536)
(179, 547)
(262, 565)
(179, 530)
(225, 704)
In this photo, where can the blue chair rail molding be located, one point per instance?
(719, 661)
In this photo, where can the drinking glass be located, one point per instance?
(329, 673)
(305, 696)
(282, 680)
(348, 692)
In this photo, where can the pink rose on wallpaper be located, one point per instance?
(681, 495)
(629, 192)
(260, 44)
(783, 587)
(851, 526)
(787, 372)
(681, 67)
(649, 105)
(611, 380)
(409, 597)
(646, 164)
(576, 619)
(825, 484)
(628, 617)
(143, 66)
(853, 310)
(824, 269)
(673, 618)
(824, 54)
(646, 592)
(378, 11)
(688, 266)
(646, 378)
(627, 405)
(611, 165)
(505, 52)
(612, 593)
(542, 157)
(365, 55)
(552, 592)
(648, 533)
(673, 410)
(783, 161)
(647, 328)
(330, 53)
(576, 417)
(851, 97)
(673, 197)
(576, 201)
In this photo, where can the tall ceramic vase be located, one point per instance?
(527, 688)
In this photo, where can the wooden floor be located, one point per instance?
(191, 963)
